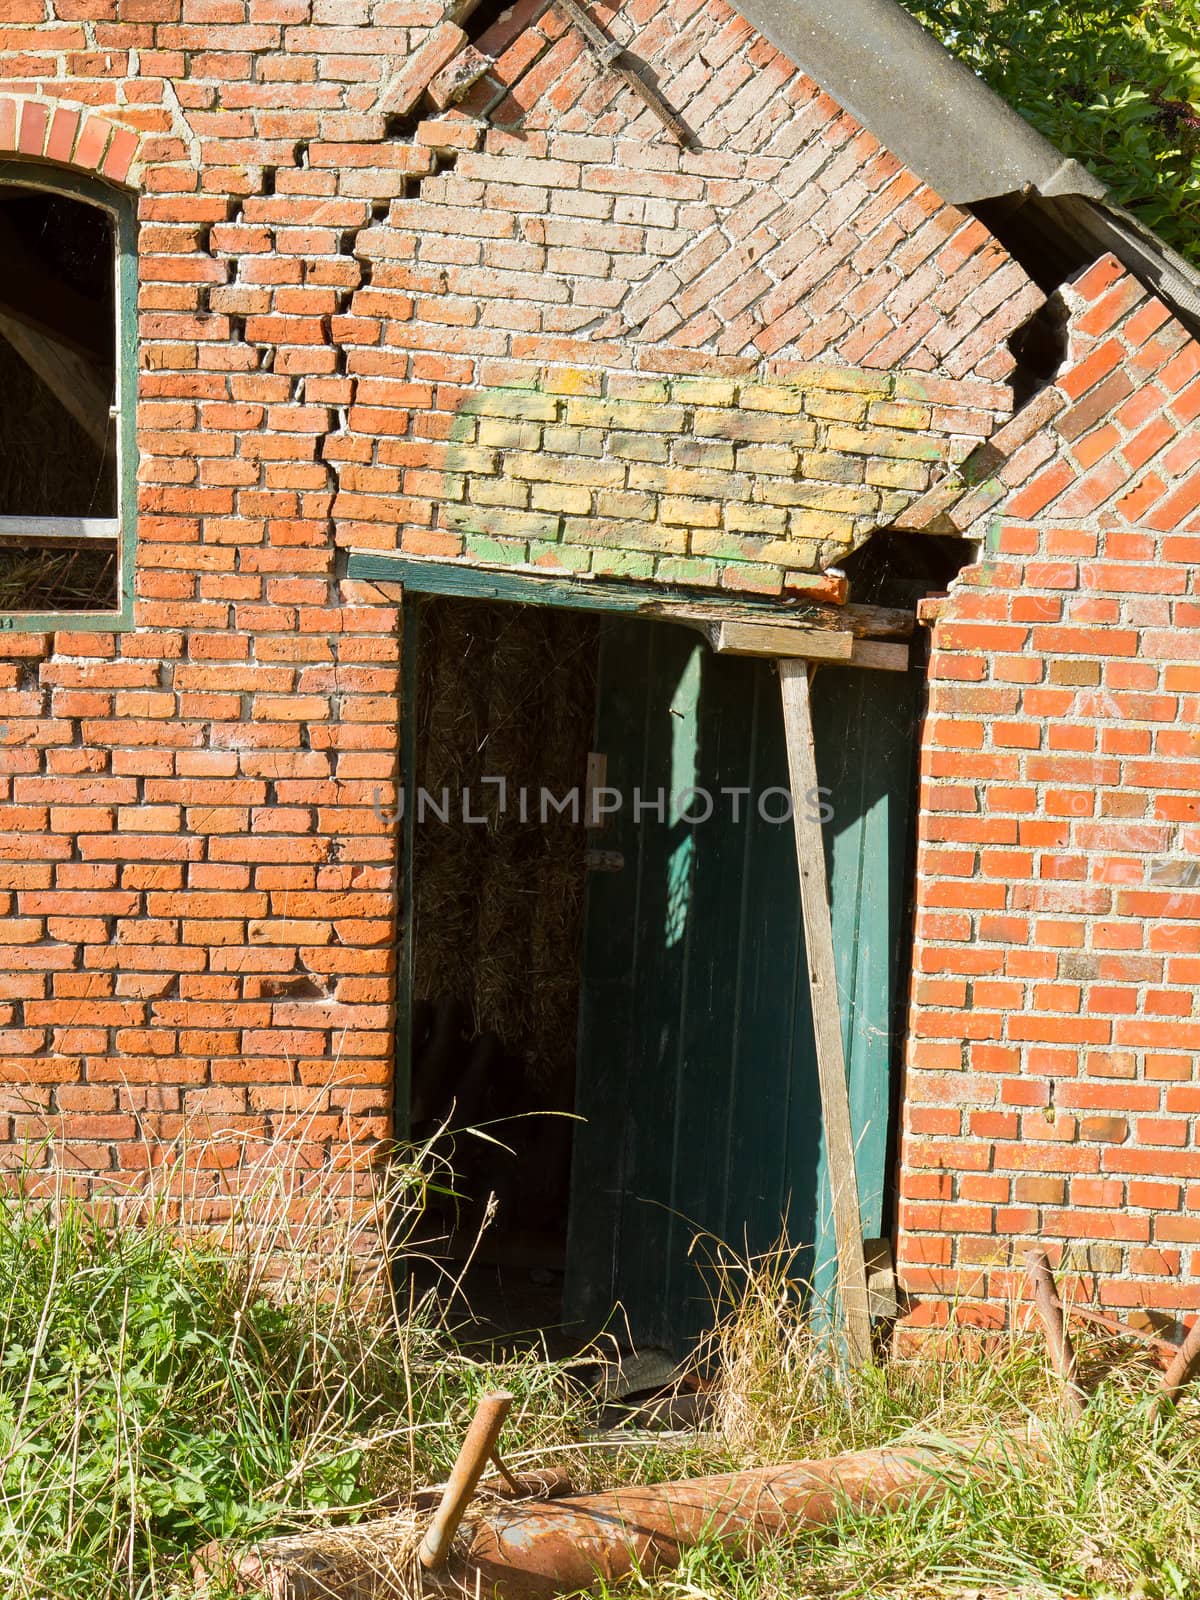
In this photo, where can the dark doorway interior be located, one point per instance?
(504, 714)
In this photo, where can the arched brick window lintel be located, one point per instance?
(75, 138)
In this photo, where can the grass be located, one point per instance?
(160, 1390)
(1110, 1508)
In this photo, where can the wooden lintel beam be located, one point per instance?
(795, 641)
(826, 1012)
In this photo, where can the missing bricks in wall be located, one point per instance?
(1039, 346)
(477, 18)
(893, 568)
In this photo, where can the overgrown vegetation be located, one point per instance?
(1111, 1511)
(1114, 83)
(158, 1392)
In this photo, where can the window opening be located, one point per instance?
(62, 408)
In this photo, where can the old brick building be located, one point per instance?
(442, 287)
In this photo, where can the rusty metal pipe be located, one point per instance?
(1183, 1368)
(1049, 1308)
(537, 1551)
(477, 1448)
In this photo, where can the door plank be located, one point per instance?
(827, 1021)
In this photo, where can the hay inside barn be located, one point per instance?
(504, 717)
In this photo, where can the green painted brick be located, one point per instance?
(755, 578)
(523, 403)
(727, 546)
(704, 392)
(638, 447)
(481, 547)
(572, 558)
(622, 564)
(678, 569)
(771, 397)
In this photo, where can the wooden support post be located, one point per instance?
(827, 1018)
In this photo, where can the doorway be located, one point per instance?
(614, 985)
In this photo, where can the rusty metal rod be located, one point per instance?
(1157, 1346)
(477, 1450)
(1183, 1368)
(1049, 1308)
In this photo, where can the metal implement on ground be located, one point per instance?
(478, 1448)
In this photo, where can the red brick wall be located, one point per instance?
(1052, 1089)
(198, 893)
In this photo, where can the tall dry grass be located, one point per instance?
(223, 1348)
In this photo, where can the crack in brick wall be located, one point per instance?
(1052, 1091)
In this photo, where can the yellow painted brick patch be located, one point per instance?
(695, 474)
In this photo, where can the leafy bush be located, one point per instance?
(1113, 83)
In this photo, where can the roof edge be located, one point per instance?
(890, 73)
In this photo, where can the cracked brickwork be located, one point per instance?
(501, 318)
(1053, 1083)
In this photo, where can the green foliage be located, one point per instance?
(1113, 83)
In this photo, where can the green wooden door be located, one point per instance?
(696, 1078)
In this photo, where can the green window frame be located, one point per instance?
(119, 531)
